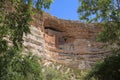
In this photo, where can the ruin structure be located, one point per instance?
(67, 42)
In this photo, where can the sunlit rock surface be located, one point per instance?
(64, 41)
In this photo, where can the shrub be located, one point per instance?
(51, 73)
(108, 69)
(14, 66)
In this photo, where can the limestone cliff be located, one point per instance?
(72, 43)
(34, 42)
(64, 41)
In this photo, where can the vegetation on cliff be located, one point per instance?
(15, 16)
(15, 66)
(107, 12)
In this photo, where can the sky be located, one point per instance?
(64, 9)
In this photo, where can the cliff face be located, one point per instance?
(72, 43)
(34, 42)
(64, 41)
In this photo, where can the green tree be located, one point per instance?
(106, 12)
(15, 66)
(15, 16)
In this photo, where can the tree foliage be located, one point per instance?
(108, 69)
(106, 12)
(15, 17)
(15, 66)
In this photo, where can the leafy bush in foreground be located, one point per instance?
(14, 66)
(56, 71)
(109, 69)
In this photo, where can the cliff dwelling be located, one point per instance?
(66, 42)
(71, 42)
